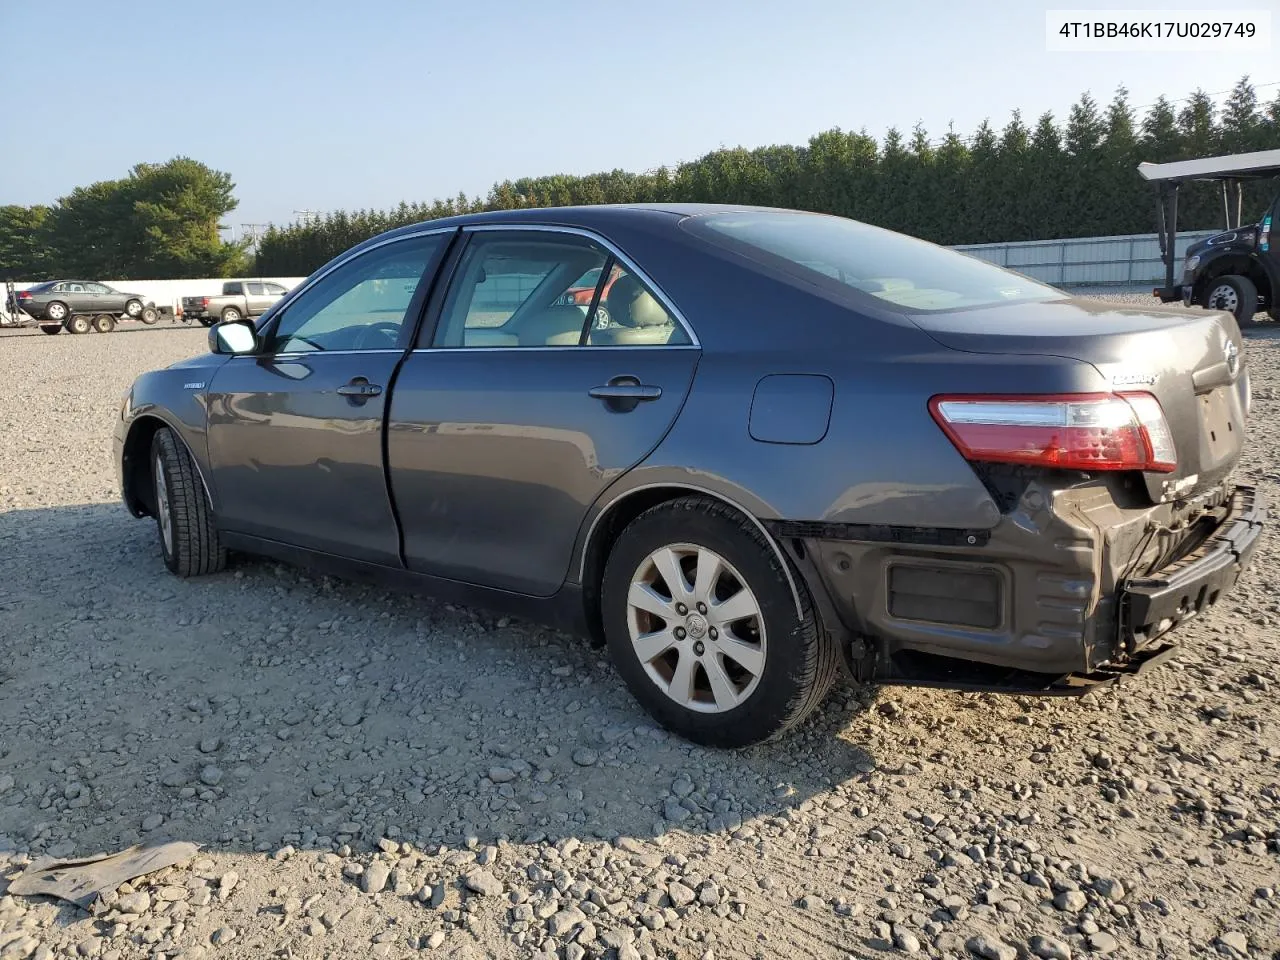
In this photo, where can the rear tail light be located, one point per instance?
(24, 295)
(1094, 431)
(204, 301)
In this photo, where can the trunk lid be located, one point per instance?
(1193, 362)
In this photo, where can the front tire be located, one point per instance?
(701, 622)
(78, 323)
(189, 539)
(1236, 294)
(132, 308)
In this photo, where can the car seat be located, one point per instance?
(635, 316)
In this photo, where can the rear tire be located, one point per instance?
(717, 680)
(1236, 294)
(78, 323)
(104, 323)
(56, 311)
(230, 315)
(50, 329)
(189, 539)
(207, 321)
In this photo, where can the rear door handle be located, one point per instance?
(359, 387)
(626, 391)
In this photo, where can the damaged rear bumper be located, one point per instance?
(1125, 634)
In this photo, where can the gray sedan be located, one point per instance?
(56, 300)
(798, 446)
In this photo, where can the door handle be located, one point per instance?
(626, 391)
(359, 387)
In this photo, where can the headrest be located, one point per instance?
(631, 305)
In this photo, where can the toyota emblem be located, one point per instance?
(1233, 358)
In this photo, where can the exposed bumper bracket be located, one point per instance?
(1152, 606)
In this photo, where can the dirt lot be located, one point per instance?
(374, 774)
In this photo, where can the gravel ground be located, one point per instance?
(375, 774)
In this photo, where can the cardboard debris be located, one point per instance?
(84, 881)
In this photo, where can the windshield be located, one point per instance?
(892, 267)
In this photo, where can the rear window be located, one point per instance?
(898, 270)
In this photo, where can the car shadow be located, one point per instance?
(265, 707)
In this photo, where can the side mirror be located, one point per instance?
(238, 336)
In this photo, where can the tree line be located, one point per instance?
(1024, 181)
(158, 222)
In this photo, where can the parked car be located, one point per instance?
(239, 299)
(82, 305)
(801, 440)
(582, 291)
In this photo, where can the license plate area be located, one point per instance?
(1220, 438)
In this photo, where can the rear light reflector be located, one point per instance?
(1093, 431)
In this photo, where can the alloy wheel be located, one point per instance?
(163, 510)
(696, 627)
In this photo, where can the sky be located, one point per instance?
(320, 105)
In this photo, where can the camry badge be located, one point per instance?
(1133, 379)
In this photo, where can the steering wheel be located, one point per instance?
(383, 327)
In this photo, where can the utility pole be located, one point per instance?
(307, 217)
(253, 231)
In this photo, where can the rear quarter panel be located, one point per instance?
(881, 459)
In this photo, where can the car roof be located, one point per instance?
(591, 216)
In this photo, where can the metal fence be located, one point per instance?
(1127, 260)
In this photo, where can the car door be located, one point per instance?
(295, 430)
(1269, 251)
(514, 416)
(102, 299)
(255, 297)
(274, 293)
(77, 297)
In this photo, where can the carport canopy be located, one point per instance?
(1237, 166)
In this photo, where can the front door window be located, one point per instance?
(362, 305)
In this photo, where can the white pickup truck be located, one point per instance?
(239, 298)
